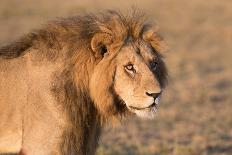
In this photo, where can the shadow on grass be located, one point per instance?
(218, 149)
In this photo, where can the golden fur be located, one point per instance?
(60, 84)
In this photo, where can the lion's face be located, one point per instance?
(133, 73)
(135, 80)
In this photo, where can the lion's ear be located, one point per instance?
(99, 44)
(155, 39)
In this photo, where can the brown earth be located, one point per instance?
(195, 116)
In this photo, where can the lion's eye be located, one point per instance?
(154, 65)
(130, 67)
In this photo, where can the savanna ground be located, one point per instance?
(195, 117)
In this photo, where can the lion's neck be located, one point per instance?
(84, 126)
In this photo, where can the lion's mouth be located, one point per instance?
(153, 105)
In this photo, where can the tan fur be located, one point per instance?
(60, 84)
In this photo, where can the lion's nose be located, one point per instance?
(154, 95)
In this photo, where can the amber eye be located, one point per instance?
(154, 65)
(130, 67)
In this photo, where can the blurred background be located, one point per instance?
(195, 116)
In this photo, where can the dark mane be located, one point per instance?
(17, 48)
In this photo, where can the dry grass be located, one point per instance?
(195, 116)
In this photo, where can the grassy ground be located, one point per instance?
(195, 116)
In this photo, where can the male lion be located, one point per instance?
(60, 84)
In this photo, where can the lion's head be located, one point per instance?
(129, 73)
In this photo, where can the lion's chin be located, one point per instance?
(148, 113)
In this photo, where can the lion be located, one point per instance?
(61, 83)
